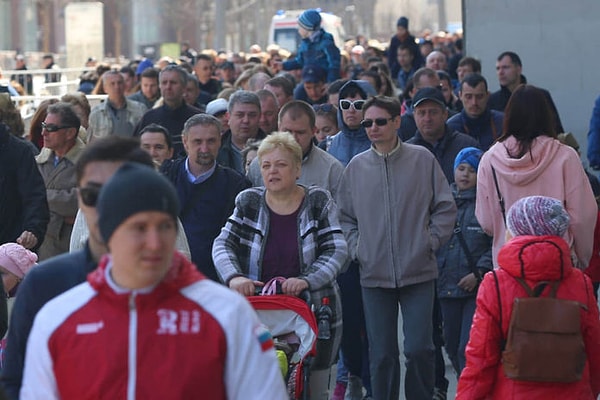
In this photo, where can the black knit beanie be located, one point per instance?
(132, 189)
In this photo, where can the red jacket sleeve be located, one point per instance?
(591, 337)
(484, 349)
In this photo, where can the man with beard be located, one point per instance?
(206, 190)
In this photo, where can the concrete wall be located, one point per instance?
(558, 45)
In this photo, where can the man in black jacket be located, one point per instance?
(97, 163)
(23, 205)
(206, 189)
(509, 70)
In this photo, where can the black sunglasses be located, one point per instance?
(326, 107)
(367, 123)
(89, 194)
(356, 104)
(53, 128)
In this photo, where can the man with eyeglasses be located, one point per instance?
(350, 141)
(432, 132)
(146, 309)
(415, 216)
(56, 163)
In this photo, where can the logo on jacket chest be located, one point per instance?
(171, 322)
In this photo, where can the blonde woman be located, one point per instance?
(289, 230)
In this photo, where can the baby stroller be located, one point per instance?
(294, 328)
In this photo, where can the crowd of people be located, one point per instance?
(380, 181)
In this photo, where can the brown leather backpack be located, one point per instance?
(544, 341)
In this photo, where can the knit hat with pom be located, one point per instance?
(16, 259)
(310, 20)
(537, 216)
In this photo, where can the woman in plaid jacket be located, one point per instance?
(285, 229)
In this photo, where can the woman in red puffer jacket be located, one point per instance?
(536, 253)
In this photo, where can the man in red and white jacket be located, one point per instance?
(147, 324)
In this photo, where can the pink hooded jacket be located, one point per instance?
(550, 169)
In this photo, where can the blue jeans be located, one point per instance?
(381, 316)
(458, 316)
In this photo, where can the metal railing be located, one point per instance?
(68, 80)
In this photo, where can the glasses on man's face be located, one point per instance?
(53, 128)
(356, 104)
(367, 123)
(89, 194)
(327, 107)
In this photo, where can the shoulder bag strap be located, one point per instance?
(500, 198)
(465, 247)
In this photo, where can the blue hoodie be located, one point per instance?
(349, 142)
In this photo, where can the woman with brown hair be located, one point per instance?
(528, 159)
(11, 116)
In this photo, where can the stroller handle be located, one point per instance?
(275, 284)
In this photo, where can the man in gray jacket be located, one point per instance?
(117, 115)
(399, 197)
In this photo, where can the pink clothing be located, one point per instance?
(550, 169)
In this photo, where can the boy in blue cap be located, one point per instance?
(317, 47)
(463, 260)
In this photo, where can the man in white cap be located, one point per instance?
(218, 109)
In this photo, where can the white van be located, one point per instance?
(284, 29)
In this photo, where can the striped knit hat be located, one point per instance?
(310, 20)
(537, 216)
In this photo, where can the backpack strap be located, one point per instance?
(503, 343)
(587, 293)
(539, 287)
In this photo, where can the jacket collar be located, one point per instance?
(72, 155)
